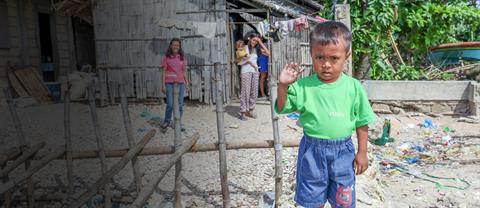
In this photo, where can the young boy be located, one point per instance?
(331, 105)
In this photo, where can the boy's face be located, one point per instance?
(329, 60)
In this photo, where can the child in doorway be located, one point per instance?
(242, 55)
(331, 105)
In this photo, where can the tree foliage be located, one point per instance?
(413, 26)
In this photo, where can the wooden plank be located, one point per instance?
(113, 170)
(16, 85)
(150, 188)
(33, 85)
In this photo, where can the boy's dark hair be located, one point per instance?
(329, 32)
(180, 51)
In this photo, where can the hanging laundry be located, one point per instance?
(291, 25)
(283, 27)
(320, 19)
(301, 23)
(260, 27)
(206, 29)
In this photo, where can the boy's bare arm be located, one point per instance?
(361, 160)
(281, 96)
(288, 76)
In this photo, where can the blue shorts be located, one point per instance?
(325, 172)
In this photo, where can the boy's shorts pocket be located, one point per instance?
(311, 165)
(343, 165)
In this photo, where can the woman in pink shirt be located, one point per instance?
(174, 66)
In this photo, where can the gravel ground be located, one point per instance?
(250, 172)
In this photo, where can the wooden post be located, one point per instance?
(277, 144)
(68, 140)
(222, 147)
(177, 143)
(131, 141)
(11, 154)
(100, 146)
(113, 170)
(150, 188)
(22, 143)
(342, 14)
(29, 152)
(30, 171)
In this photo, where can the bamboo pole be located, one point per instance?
(150, 188)
(166, 150)
(100, 146)
(276, 136)
(177, 142)
(22, 143)
(277, 144)
(113, 170)
(221, 137)
(29, 152)
(68, 140)
(131, 141)
(10, 154)
(30, 171)
(7, 197)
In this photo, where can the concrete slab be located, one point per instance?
(417, 90)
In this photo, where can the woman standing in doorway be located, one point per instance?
(249, 78)
(174, 66)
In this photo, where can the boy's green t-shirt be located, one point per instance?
(329, 111)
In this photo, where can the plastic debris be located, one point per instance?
(293, 116)
(412, 159)
(419, 148)
(429, 124)
(385, 135)
(267, 200)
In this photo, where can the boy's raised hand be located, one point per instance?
(289, 73)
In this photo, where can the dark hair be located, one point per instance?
(180, 50)
(257, 47)
(329, 32)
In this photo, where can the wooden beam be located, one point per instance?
(29, 152)
(131, 141)
(166, 150)
(30, 171)
(10, 154)
(224, 10)
(92, 190)
(150, 188)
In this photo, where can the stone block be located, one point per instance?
(442, 108)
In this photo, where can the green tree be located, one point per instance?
(412, 26)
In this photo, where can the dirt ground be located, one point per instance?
(390, 181)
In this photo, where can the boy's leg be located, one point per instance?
(341, 190)
(312, 175)
(169, 108)
(246, 83)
